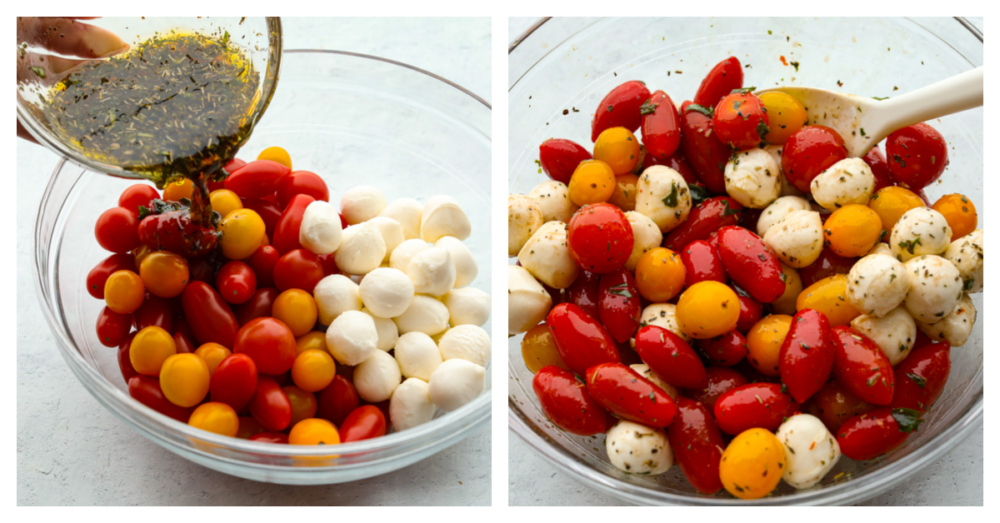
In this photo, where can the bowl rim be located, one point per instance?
(848, 491)
(152, 423)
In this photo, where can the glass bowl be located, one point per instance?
(352, 119)
(562, 66)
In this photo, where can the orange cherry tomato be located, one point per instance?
(618, 148)
(297, 309)
(785, 116)
(242, 233)
(960, 213)
(124, 292)
(213, 354)
(660, 274)
(304, 404)
(890, 203)
(852, 230)
(150, 348)
(593, 181)
(538, 348)
(708, 309)
(314, 431)
(311, 340)
(764, 343)
(216, 417)
(184, 379)
(225, 201)
(164, 273)
(276, 154)
(829, 296)
(313, 370)
(179, 189)
(625, 192)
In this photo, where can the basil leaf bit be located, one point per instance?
(922, 383)
(762, 129)
(709, 112)
(743, 90)
(621, 290)
(648, 107)
(698, 193)
(670, 200)
(728, 211)
(908, 419)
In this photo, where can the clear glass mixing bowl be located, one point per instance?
(352, 119)
(570, 64)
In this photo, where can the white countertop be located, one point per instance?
(71, 451)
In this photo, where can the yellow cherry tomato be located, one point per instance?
(213, 354)
(184, 379)
(303, 402)
(276, 154)
(890, 203)
(216, 417)
(249, 427)
(618, 148)
(829, 296)
(296, 308)
(708, 309)
(852, 230)
(659, 274)
(959, 212)
(764, 342)
(785, 304)
(311, 340)
(124, 292)
(538, 348)
(785, 116)
(225, 201)
(314, 431)
(150, 348)
(625, 191)
(164, 273)
(141, 252)
(180, 189)
(242, 231)
(313, 370)
(593, 181)
(752, 464)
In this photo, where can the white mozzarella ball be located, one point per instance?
(894, 333)
(407, 212)
(662, 315)
(811, 451)
(843, 183)
(467, 342)
(967, 255)
(334, 295)
(425, 314)
(787, 189)
(404, 252)
(527, 301)
(638, 449)
(553, 200)
(418, 356)
(352, 338)
(387, 293)
(361, 204)
(466, 268)
(411, 405)
(467, 306)
(935, 288)
(455, 383)
(387, 331)
(362, 249)
(779, 209)
(753, 178)
(877, 284)
(391, 231)
(524, 217)
(797, 238)
(646, 234)
(919, 231)
(956, 327)
(546, 256)
(443, 216)
(648, 373)
(320, 231)
(880, 248)
(432, 272)
(663, 196)
(377, 377)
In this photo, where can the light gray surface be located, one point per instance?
(956, 479)
(71, 451)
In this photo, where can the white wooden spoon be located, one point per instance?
(864, 122)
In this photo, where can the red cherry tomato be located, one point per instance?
(702, 263)
(257, 179)
(236, 282)
(670, 357)
(921, 377)
(828, 264)
(719, 380)
(154, 311)
(810, 151)
(619, 305)
(234, 381)
(559, 158)
(697, 445)
(703, 150)
(270, 344)
(124, 360)
(270, 437)
(116, 230)
(269, 405)
(298, 269)
(329, 263)
(286, 231)
(834, 405)
(725, 350)
(629, 395)
(262, 262)
(184, 343)
(707, 217)
(753, 405)
(267, 210)
(146, 390)
(258, 306)
(301, 182)
(233, 164)
(181, 326)
(723, 79)
(363, 423)
(751, 264)
(174, 231)
(869, 435)
(751, 311)
(676, 161)
(112, 328)
(740, 121)
(661, 125)
(137, 195)
(861, 367)
(566, 402)
(806, 356)
(600, 238)
(917, 156)
(98, 276)
(337, 400)
(580, 339)
(585, 293)
(620, 108)
(880, 168)
(208, 314)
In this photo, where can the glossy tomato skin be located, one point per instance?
(806, 357)
(880, 168)
(921, 377)
(861, 367)
(751, 264)
(868, 436)
(286, 231)
(233, 164)
(269, 405)
(751, 312)
(917, 156)
(753, 405)
(661, 125)
(112, 328)
(697, 445)
(137, 195)
(670, 357)
(363, 423)
(208, 314)
(236, 282)
(620, 108)
(234, 381)
(337, 400)
(629, 395)
(567, 403)
(270, 344)
(257, 179)
(600, 238)
(580, 339)
(723, 79)
(834, 405)
(828, 264)
(185, 344)
(329, 262)
(810, 151)
(740, 121)
(585, 293)
(116, 230)
(258, 306)
(98, 276)
(718, 381)
(124, 361)
(703, 150)
(154, 311)
(559, 157)
(702, 263)
(270, 437)
(267, 210)
(707, 217)
(676, 161)
(298, 269)
(301, 182)
(725, 350)
(262, 262)
(618, 304)
(146, 390)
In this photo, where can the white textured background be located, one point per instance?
(956, 479)
(71, 451)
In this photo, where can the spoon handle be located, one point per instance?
(958, 93)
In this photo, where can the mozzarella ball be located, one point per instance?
(753, 178)
(662, 315)
(407, 212)
(663, 196)
(895, 332)
(811, 451)
(467, 306)
(443, 216)
(527, 301)
(787, 189)
(425, 314)
(648, 373)
(524, 217)
(877, 284)
(546, 256)
(362, 249)
(432, 272)
(797, 238)
(779, 209)
(418, 356)
(466, 269)
(467, 342)
(935, 288)
(647, 236)
(919, 231)
(387, 331)
(455, 383)
(391, 231)
(638, 449)
(845, 182)
(334, 295)
(553, 200)
(387, 293)
(404, 253)
(361, 204)
(966, 253)
(377, 377)
(320, 231)
(352, 338)
(956, 327)
(411, 405)
(880, 248)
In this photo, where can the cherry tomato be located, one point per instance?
(212, 354)
(304, 403)
(619, 149)
(301, 182)
(176, 191)
(271, 437)
(559, 158)
(138, 195)
(960, 213)
(585, 293)
(661, 126)
(262, 263)
(224, 201)
(740, 121)
(703, 150)
(113, 328)
(917, 156)
(702, 263)
(660, 275)
(718, 381)
(276, 154)
(593, 181)
(629, 395)
(236, 282)
(298, 269)
(208, 314)
(258, 306)
(810, 151)
(751, 264)
(538, 349)
(620, 108)
(311, 340)
(861, 367)
(852, 230)
(337, 400)
(834, 405)
(146, 390)
(154, 311)
(286, 231)
(98, 276)
(171, 229)
(269, 342)
(217, 418)
(149, 349)
(869, 435)
(828, 296)
(625, 192)
(880, 169)
(270, 405)
(257, 179)
(807, 354)
(828, 264)
(314, 431)
(248, 428)
(581, 340)
(329, 263)
(297, 309)
(670, 357)
(619, 305)
(921, 377)
(268, 211)
(184, 379)
(363, 423)
(124, 361)
(708, 309)
(242, 232)
(678, 162)
(725, 350)
(751, 311)
(785, 304)
(164, 274)
(313, 370)
(723, 79)
(761, 405)
(697, 445)
(785, 116)
(116, 230)
(124, 292)
(707, 217)
(752, 464)
(600, 238)
(234, 381)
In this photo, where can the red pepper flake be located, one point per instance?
(783, 61)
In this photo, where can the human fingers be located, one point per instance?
(69, 37)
